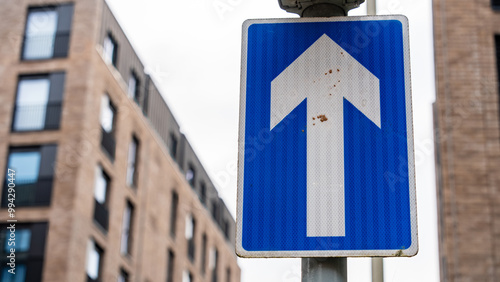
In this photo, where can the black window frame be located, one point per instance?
(63, 30)
(42, 195)
(124, 274)
(497, 49)
(53, 108)
(108, 142)
(204, 248)
(191, 242)
(34, 257)
(495, 5)
(170, 265)
(203, 193)
(192, 181)
(100, 251)
(114, 56)
(137, 93)
(129, 232)
(134, 176)
(101, 211)
(174, 143)
(174, 207)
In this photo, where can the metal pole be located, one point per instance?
(377, 263)
(377, 270)
(324, 269)
(371, 7)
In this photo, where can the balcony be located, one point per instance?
(36, 117)
(45, 46)
(108, 143)
(101, 215)
(30, 192)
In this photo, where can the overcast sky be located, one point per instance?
(192, 49)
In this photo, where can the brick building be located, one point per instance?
(467, 55)
(107, 187)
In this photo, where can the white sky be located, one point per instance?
(192, 49)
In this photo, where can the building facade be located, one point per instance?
(467, 55)
(106, 186)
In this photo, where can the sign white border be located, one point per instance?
(413, 249)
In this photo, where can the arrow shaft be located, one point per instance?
(325, 168)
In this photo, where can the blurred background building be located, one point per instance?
(107, 186)
(467, 54)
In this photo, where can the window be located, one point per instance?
(47, 32)
(497, 43)
(203, 194)
(123, 277)
(34, 168)
(190, 176)
(29, 251)
(38, 102)
(495, 4)
(173, 213)
(101, 194)
(133, 87)
(203, 253)
(128, 216)
(215, 210)
(187, 276)
(190, 234)
(225, 228)
(94, 261)
(107, 114)
(132, 162)
(110, 49)
(107, 118)
(173, 146)
(21, 243)
(170, 266)
(20, 275)
(214, 261)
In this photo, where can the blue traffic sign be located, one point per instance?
(326, 165)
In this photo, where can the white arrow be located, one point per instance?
(325, 74)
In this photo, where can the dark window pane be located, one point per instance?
(191, 176)
(173, 146)
(34, 168)
(126, 240)
(173, 213)
(203, 253)
(170, 266)
(123, 276)
(203, 194)
(495, 4)
(132, 160)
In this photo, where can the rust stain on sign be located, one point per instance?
(322, 118)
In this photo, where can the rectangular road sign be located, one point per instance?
(326, 165)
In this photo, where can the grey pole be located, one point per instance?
(377, 263)
(324, 269)
(321, 269)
